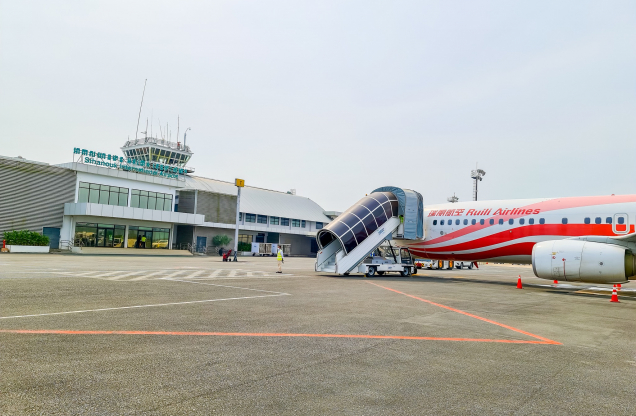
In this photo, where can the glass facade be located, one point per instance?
(102, 194)
(150, 200)
(99, 235)
(148, 237)
(273, 220)
(361, 220)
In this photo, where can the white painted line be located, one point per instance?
(121, 276)
(139, 306)
(193, 274)
(233, 287)
(245, 277)
(145, 276)
(175, 273)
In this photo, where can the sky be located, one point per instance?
(335, 98)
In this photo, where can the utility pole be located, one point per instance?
(240, 183)
(477, 176)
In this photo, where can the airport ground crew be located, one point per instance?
(279, 257)
(143, 241)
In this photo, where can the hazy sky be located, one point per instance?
(336, 98)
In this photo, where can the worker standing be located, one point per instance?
(279, 257)
(143, 241)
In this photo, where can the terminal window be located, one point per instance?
(319, 225)
(262, 219)
(150, 200)
(245, 238)
(102, 194)
(250, 217)
(303, 223)
(274, 220)
(284, 222)
(99, 235)
(295, 223)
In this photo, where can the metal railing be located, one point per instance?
(160, 142)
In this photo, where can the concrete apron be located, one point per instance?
(109, 251)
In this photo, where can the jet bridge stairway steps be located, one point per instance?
(386, 213)
(335, 260)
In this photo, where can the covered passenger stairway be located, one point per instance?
(387, 213)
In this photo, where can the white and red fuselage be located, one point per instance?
(507, 230)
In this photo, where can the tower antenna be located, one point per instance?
(141, 105)
(177, 128)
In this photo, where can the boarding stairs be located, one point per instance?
(348, 240)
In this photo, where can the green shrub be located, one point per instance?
(221, 240)
(25, 238)
(244, 247)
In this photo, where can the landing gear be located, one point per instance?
(470, 266)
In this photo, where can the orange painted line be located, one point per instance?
(490, 321)
(264, 334)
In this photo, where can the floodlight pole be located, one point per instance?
(239, 184)
(477, 176)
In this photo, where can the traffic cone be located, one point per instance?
(519, 285)
(614, 295)
(619, 286)
(556, 282)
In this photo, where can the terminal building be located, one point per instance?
(148, 199)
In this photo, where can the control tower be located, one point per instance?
(151, 149)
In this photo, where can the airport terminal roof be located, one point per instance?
(262, 201)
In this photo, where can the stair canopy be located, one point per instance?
(354, 225)
(411, 207)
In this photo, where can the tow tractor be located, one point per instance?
(387, 258)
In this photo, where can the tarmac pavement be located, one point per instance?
(169, 336)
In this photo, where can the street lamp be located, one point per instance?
(477, 175)
(240, 183)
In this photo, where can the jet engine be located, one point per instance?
(582, 261)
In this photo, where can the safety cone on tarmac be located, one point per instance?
(614, 295)
(618, 286)
(556, 282)
(519, 285)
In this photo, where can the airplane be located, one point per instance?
(586, 239)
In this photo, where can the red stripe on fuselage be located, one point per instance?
(565, 230)
(519, 249)
(544, 206)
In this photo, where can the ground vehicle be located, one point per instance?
(386, 259)
(445, 264)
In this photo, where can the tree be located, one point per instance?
(221, 240)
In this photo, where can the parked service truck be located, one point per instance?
(387, 258)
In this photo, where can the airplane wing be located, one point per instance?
(627, 238)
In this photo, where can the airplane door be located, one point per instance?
(620, 225)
